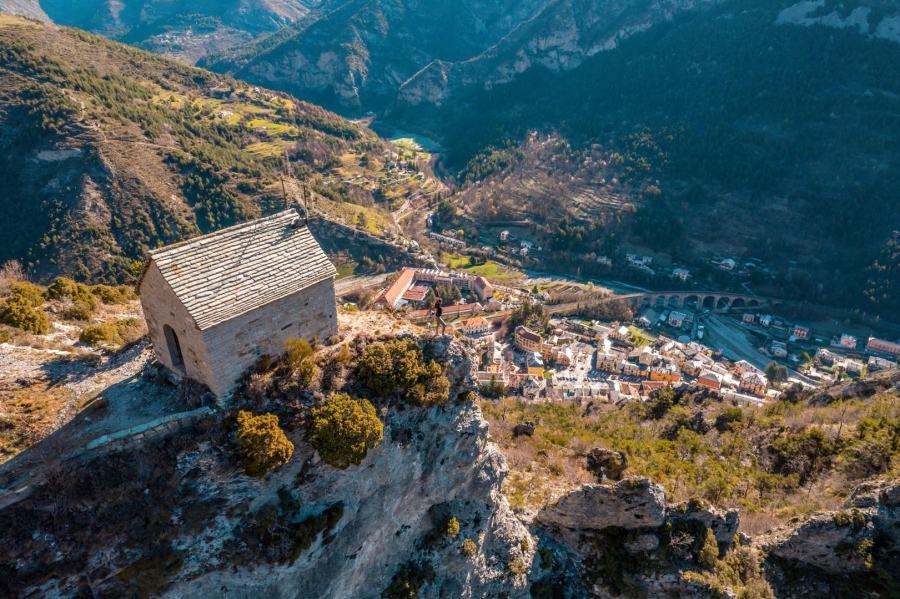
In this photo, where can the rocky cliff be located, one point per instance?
(175, 516)
(559, 38)
(853, 550)
(359, 53)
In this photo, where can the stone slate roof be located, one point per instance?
(222, 275)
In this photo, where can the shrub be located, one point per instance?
(389, 367)
(451, 527)
(465, 397)
(298, 360)
(344, 429)
(63, 287)
(114, 295)
(118, 332)
(709, 553)
(546, 557)
(29, 292)
(78, 311)
(517, 566)
(730, 420)
(298, 350)
(855, 518)
(96, 334)
(409, 580)
(429, 391)
(11, 271)
(468, 548)
(18, 311)
(264, 445)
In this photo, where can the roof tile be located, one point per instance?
(222, 275)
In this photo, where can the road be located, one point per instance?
(727, 335)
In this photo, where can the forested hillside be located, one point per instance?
(767, 139)
(107, 151)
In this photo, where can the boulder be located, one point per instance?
(630, 504)
(698, 423)
(606, 463)
(523, 428)
(723, 524)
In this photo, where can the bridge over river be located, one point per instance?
(713, 300)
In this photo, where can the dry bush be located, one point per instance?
(756, 523)
(258, 388)
(10, 272)
(520, 455)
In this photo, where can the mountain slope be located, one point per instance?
(768, 140)
(357, 55)
(563, 35)
(106, 151)
(181, 28)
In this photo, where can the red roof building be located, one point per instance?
(393, 295)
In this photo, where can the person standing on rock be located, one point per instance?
(438, 313)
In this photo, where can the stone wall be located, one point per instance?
(162, 307)
(137, 434)
(220, 356)
(235, 346)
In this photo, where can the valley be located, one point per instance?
(522, 299)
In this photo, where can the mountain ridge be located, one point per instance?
(108, 151)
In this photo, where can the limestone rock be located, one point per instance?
(823, 543)
(523, 428)
(606, 463)
(724, 524)
(642, 543)
(836, 541)
(629, 504)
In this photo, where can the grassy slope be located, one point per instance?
(770, 463)
(107, 151)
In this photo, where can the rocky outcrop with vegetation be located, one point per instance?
(203, 511)
(362, 467)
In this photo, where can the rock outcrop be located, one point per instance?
(523, 428)
(177, 517)
(629, 504)
(627, 540)
(559, 38)
(606, 463)
(853, 539)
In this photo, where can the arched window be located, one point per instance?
(174, 347)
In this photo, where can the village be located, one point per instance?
(571, 358)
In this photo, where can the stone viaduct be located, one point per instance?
(696, 299)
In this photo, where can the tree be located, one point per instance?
(389, 367)
(776, 373)
(451, 527)
(344, 429)
(709, 553)
(264, 445)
